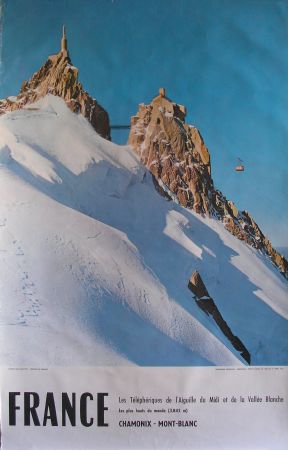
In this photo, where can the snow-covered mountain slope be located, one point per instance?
(95, 263)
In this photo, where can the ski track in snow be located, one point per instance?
(96, 264)
(28, 305)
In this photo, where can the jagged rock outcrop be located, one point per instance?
(207, 304)
(174, 152)
(59, 77)
(177, 157)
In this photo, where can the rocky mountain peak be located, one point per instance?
(177, 157)
(59, 77)
(173, 151)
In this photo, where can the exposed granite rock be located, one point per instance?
(59, 77)
(174, 152)
(176, 155)
(207, 304)
(197, 286)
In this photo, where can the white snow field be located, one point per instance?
(95, 263)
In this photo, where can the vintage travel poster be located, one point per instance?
(143, 224)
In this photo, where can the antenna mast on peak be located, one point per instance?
(64, 46)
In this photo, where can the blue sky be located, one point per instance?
(225, 60)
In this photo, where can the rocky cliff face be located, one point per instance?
(59, 77)
(174, 152)
(207, 304)
(176, 155)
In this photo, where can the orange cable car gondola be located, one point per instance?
(240, 166)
